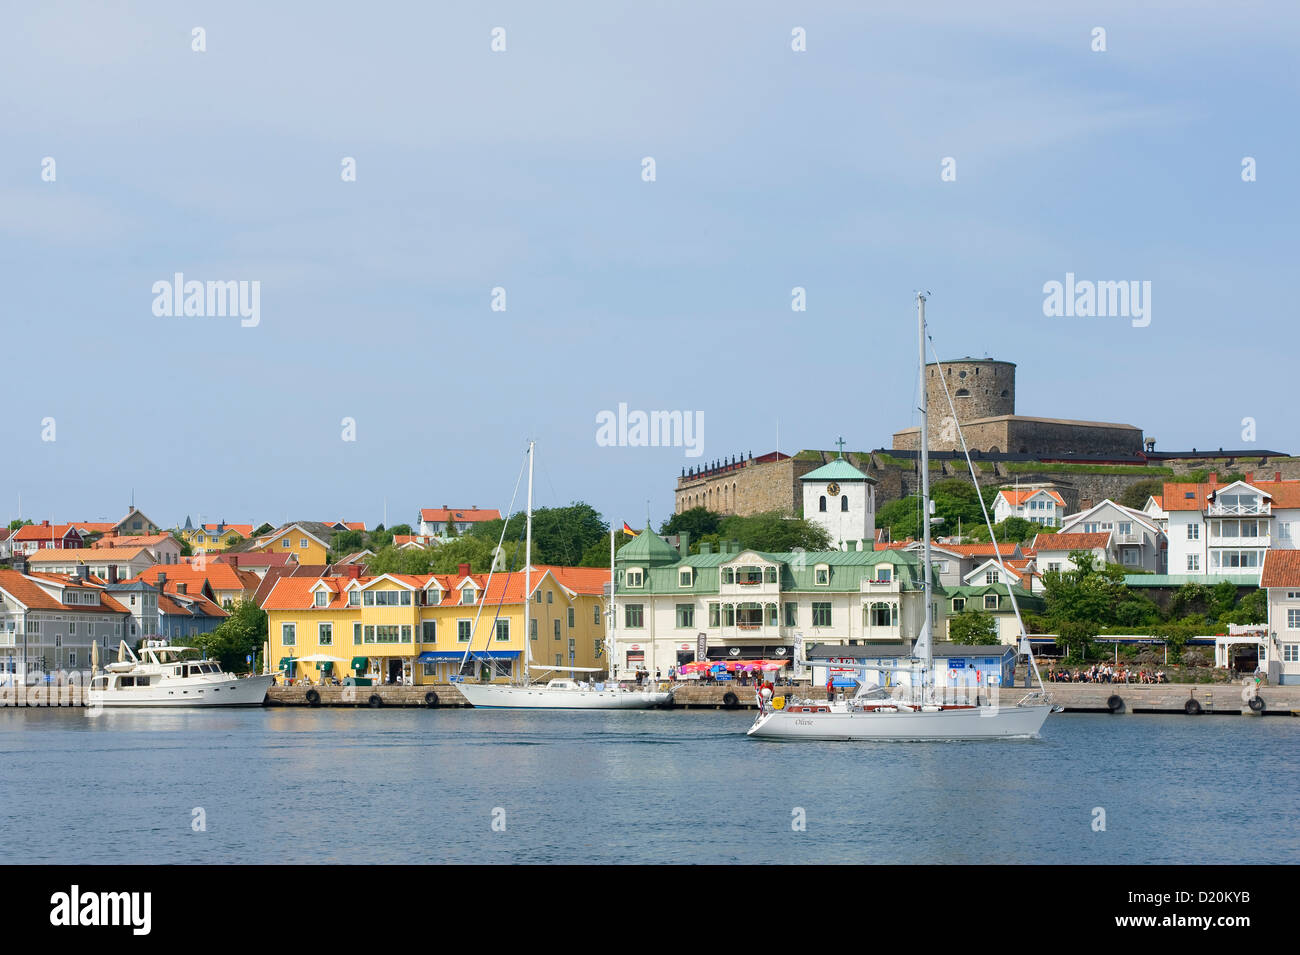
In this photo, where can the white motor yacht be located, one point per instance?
(165, 677)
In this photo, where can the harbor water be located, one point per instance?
(296, 785)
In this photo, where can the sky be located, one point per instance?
(379, 379)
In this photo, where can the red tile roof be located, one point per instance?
(220, 577)
(1281, 569)
(138, 541)
(29, 593)
(85, 555)
(243, 530)
(460, 515)
(982, 550)
(1066, 542)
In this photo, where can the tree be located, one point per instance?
(404, 529)
(697, 521)
(235, 638)
(773, 532)
(345, 542)
(561, 535)
(1136, 494)
(186, 549)
(1011, 530)
(17, 522)
(1076, 638)
(957, 502)
(973, 627)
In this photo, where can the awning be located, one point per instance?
(493, 654)
(360, 663)
(287, 662)
(327, 666)
(438, 656)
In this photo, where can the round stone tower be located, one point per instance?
(980, 388)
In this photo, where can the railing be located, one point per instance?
(1127, 538)
(1256, 541)
(1251, 510)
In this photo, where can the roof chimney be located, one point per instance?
(162, 581)
(462, 569)
(1277, 475)
(112, 573)
(19, 562)
(1250, 476)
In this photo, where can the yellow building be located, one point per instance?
(417, 628)
(307, 544)
(214, 538)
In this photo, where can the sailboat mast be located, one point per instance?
(609, 625)
(927, 631)
(528, 568)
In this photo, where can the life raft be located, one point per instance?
(313, 698)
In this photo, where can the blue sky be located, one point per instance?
(522, 169)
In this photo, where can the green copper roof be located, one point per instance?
(837, 470)
(649, 548)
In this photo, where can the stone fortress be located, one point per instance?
(984, 394)
(1086, 461)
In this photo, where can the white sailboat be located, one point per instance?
(559, 693)
(918, 710)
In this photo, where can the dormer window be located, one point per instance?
(685, 577)
(322, 598)
(635, 577)
(822, 575)
(467, 597)
(354, 598)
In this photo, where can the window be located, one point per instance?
(556, 628)
(354, 598)
(325, 634)
(729, 615)
(792, 614)
(288, 634)
(715, 617)
(532, 629)
(635, 577)
(463, 630)
(537, 595)
(884, 574)
(1193, 562)
(467, 597)
(571, 616)
(503, 630)
(1129, 556)
(728, 575)
(821, 503)
(1293, 619)
(322, 598)
(883, 614)
(1193, 532)
(302, 543)
(595, 614)
(990, 577)
(821, 614)
(844, 502)
(429, 631)
(1291, 652)
(958, 604)
(550, 596)
(990, 601)
(633, 616)
(771, 614)
(286, 543)
(685, 616)
(822, 575)
(769, 575)
(684, 577)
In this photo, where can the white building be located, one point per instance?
(1138, 539)
(106, 563)
(842, 499)
(1052, 551)
(1042, 505)
(1216, 529)
(1281, 579)
(440, 521)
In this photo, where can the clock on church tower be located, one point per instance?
(832, 488)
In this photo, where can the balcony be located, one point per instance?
(1215, 509)
(1260, 541)
(1126, 538)
(878, 586)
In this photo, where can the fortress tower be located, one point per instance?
(980, 388)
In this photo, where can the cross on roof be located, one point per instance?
(840, 442)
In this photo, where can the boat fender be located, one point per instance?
(313, 698)
(431, 698)
(1115, 703)
(1192, 707)
(1257, 704)
(729, 700)
(375, 700)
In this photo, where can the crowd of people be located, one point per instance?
(1107, 673)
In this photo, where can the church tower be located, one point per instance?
(842, 499)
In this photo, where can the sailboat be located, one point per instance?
(558, 693)
(918, 709)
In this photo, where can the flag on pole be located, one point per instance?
(628, 530)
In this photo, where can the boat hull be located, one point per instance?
(974, 723)
(503, 696)
(250, 691)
